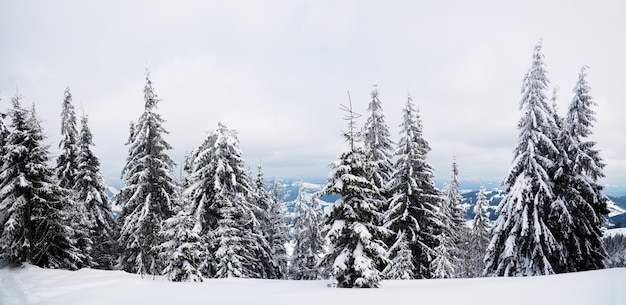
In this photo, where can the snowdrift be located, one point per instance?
(33, 285)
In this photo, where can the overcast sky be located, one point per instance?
(277, 72)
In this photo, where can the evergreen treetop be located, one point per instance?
(377, 144)
(67, 164)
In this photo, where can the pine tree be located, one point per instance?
(577, 215)
(522, 242)
(356, 246)
(36, 226)
(90, 189)
(67, 164)
(308, 240)
(479, 236)
(415, 202)
(224, 198)
(377, 145)
(148, 195)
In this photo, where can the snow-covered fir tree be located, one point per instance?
(478, 237)
(356, 240)
(415, 199)
(452, 215)
(90, 191)
(67, 160)
(148, 195)
(577, 214)
(36, 226)
(308, 240)
(523, 243)
(224, 199)
(377, 145)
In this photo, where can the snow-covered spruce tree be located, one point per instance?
(453, 217)
(308, 240)
(615, 246)
(277, 231)
(66, 174)
(90, 190)
(67, 161)
(442, 266)
(270, 212)
(183, 250)
(577, 213)
(36, 226)
(4, 134)
(52, 215)
(378, 146)
(414, 206)
(149, 190)
(523, 243)
(224, 200)
(17, 237)
(356, 240)
(401, 265)
(478, 236)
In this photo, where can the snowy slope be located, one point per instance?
(32, 285)
(614, 209)
(613, 232)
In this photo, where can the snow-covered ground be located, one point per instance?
(32, 285)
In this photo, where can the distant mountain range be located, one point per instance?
(289, 193)
(290, 189)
